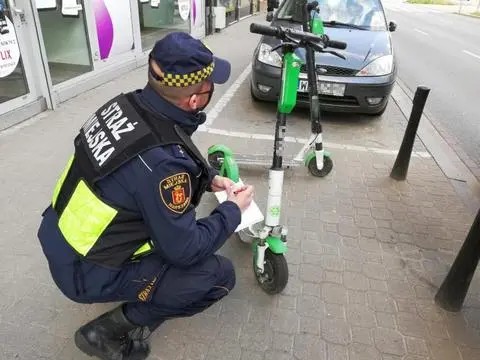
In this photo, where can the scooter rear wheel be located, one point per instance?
(327, 167)
(275, 274)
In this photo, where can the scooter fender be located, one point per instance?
(220, 148)
(311, 155)
(275, 244)
(229, 167)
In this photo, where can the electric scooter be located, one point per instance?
(312, 155)
(270, 238)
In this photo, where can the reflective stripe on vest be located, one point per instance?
(144, 249)
(85, 217)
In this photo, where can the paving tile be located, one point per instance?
(308, 347)
(335, 331)
(389, 341)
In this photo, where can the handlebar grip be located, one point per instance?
(264, 30)
(336, 44)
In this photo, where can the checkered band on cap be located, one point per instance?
(184, 80)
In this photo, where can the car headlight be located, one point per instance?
(378, 67)
(269, 57)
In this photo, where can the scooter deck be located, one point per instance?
(264, 160)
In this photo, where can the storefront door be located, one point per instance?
(159, 18)
(65, 37)
(245, 8)
(18, 54)
(231, 9)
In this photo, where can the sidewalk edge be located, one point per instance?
(443, 154)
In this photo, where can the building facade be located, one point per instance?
(53, 50)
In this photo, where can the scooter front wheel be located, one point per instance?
(275, 275)
(327, 166)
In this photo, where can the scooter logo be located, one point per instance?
(275, 211)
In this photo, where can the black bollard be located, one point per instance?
(453, 291)
(400, 168)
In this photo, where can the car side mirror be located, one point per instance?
(392, 26)
(270, 16)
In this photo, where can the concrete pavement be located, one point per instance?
(366, 252)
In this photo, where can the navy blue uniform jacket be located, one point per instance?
(180, 240)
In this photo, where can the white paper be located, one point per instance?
(251, 216)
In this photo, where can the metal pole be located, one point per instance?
(400, 168)
(454, 288)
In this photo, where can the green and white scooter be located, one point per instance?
(270, 237)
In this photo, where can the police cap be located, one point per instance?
(185, 61)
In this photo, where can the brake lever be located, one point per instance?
(283, 44)
(336, 54)
(316, 47)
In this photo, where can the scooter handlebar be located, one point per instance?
(282, 33)
(336, 44)
(265, 30)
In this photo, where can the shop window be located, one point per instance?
(113, 20)
(158, 18)
(12, 75)
(65, 37)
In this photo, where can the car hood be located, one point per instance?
(363, 46)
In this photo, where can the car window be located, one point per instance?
(365, 13)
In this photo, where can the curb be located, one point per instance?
(472, 16)
(444, 155)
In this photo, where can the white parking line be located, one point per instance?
(421, 32)
(471, 54)
(226, 97)
(245, 135)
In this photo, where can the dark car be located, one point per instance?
(360, 84)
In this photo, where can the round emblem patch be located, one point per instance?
(176, 192)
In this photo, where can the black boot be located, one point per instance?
(137, 346)
(112, 337)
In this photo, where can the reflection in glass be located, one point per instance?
(66, 41)
(366, 14)
(158, 18)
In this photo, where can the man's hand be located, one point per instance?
(241, 196)
(220, 183)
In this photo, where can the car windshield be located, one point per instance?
(367, 14)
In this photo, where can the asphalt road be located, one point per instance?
(442, 51)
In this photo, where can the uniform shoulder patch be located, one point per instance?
(176, 192)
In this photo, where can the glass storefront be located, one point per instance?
(65, 38)
(238, 9)
(53, 50)
(13, 82)
(231, 8)
(158, 18)
(244, 8)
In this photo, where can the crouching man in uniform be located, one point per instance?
(122, 224)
